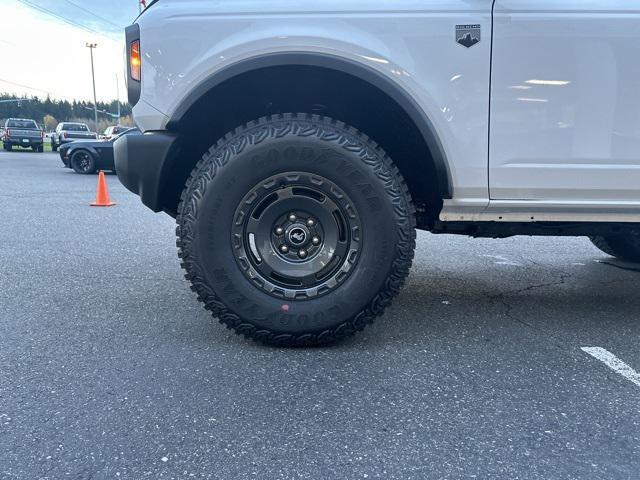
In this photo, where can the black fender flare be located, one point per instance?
(91, 150)
(356, 69)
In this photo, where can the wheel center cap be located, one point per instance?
(297, 235)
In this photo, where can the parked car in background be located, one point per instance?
(89, 156)
(114, 130)
(22, 132)
(68, 132)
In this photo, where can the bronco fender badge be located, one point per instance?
(467, 35)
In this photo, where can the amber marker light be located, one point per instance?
(134, 60)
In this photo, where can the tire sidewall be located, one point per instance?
(72, 162)
(227, 178)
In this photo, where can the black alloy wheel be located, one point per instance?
(82, 162)
(296, 235)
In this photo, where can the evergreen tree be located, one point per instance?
(61, 110)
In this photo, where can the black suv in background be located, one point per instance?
(22, 132)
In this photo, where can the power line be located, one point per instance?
(60, 17)
(18, 100)
(48, 92)
(94, 14)
(24, 86)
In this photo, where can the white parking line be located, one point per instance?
(614, 363)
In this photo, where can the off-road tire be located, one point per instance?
(264, 149)
(625, 247)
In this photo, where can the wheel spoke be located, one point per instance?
(252, 225)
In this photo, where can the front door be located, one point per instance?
(565, 101)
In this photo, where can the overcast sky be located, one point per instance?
(44, 53)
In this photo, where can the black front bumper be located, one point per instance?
(141, 161)
(64, 156)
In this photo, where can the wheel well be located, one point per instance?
(80, 149)
(306, 89)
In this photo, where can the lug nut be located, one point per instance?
(302, 253)
(284, 248)
(292, 217)
(279, 231)
(311, 222)
(315, 240)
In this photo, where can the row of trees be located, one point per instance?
(50, 122)
(49, 112)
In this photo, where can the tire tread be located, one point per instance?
(329, 130)
(624, 248)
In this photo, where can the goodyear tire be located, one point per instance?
(625, 247)
(296, 230)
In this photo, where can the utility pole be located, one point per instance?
(118, 97)
(91, 46)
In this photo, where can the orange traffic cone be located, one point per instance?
(102, 195)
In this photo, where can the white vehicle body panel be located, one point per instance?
(409, 41)
(565, 101)
(557, 151)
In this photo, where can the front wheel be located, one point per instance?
(625, 246)
(296, 230)
(82, 162)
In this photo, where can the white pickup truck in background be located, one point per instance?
(70, 131)
(299, 144)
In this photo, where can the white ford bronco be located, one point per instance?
(299, 144)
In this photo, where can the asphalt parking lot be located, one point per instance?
(109, 367)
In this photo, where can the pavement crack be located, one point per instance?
(563, 278)
(502, 298)
(537, 264)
